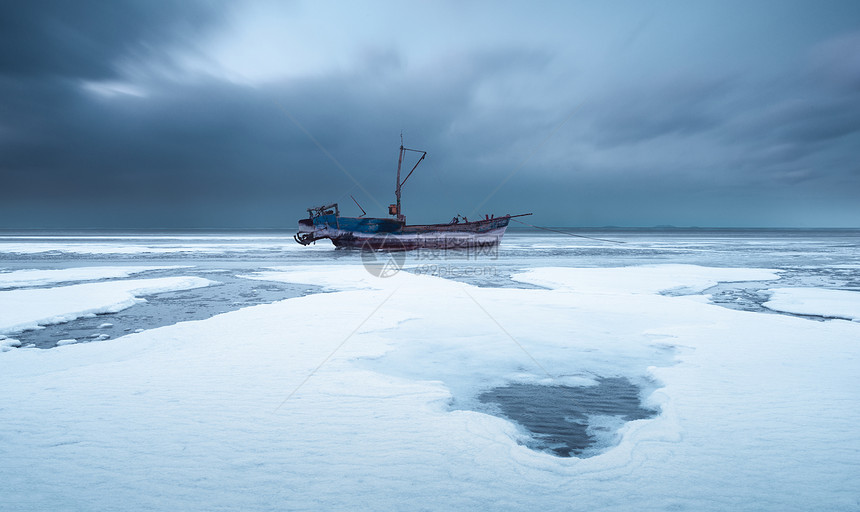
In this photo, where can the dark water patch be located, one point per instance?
(748, 296)
(817, 318)
(752, 295)
(229, 294)
(570, 420)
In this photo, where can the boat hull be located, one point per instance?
(391, 235)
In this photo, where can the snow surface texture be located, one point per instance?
(35, 277)
(343, 401)
(28, 309)
(815, 301)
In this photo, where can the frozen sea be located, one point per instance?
(633, 369)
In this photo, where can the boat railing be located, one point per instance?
(329, 209)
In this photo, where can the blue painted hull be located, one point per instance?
(391, 234)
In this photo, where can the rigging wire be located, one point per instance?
(569, 234)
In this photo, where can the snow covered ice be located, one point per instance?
(36, 277)
(367, 396)
(817, 302)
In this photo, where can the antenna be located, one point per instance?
(363, 213)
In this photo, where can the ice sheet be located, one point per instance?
(642, 279)
(40, 277)
(342, 401)
(816, 301)
(28, 309)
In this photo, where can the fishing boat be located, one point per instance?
(393, 233)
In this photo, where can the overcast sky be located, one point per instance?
(146, 114)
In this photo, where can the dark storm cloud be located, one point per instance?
(755, 132)
(86, 142)
(640, 112)
(86, 38)
(62, 151)
(240, 154)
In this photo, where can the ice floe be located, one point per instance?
(359, 399)
(817, 302)
(30, 308)
(40, 277)
(642, 279)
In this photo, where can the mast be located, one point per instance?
(394, 209)
(397, 190)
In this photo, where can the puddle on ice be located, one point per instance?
(578, 414)
(570, 421)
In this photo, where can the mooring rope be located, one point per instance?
(569, 234)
